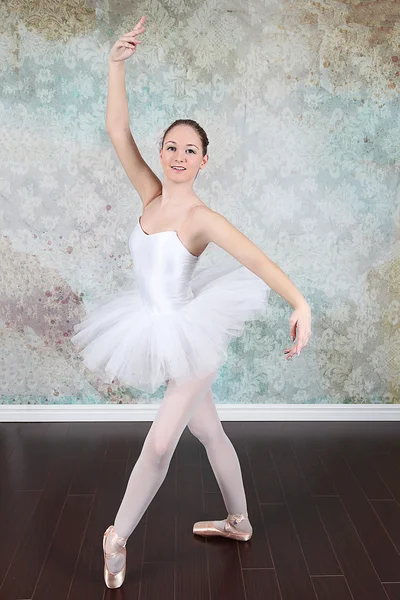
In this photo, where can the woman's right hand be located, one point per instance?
(126, 45)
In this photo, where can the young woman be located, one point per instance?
(176, 328)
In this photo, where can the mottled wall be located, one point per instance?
(300, 100)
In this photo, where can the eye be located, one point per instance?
(190, 149)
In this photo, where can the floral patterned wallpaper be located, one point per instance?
(300, 100)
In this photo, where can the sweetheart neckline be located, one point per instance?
(167, 231)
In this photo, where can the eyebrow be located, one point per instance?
(186, 144)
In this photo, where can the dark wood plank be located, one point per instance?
(90, 461)
(389, 514)
(383, 554)
(14, 523)
(369, 480)
(188, 452)
(62, 484)
(392, 590)
(15, 435)
(266, 480)
(317, 435)
(314, 542)
(255, 553)
(58, 569)
(367, 437)
(389, 471)
(161, 520)
(34, 453)
(157, 581)
(138, 435)
(135, 544)
(331, 588)
(355, 563)
(360, 451)
(88, 581)
(260, 438)
(260, 584)
(119, 441)
(32, 550)
(191, 568)
(314, 472)
(290, 565)
(225, 570)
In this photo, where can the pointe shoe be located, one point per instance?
(207, 528)
(114, 580)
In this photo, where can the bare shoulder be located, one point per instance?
(211, 226)
(208, 222)
(198, 220)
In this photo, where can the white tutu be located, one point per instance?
(121, 338)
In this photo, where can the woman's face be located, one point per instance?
(182, 148)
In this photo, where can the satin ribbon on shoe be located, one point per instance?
(208, 528)
(114, 580)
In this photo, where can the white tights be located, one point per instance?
(190, 404)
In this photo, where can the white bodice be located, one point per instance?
(163, 267)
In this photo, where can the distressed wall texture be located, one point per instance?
(300, 100)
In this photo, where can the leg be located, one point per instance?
(178, 405)
(206, 426)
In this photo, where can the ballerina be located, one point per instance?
(176, 327)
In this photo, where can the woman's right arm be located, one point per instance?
(117, 113)
(144, 180)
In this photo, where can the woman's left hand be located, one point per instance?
(300, 324)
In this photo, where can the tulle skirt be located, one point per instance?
(119, 338)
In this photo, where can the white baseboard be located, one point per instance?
(227, 412)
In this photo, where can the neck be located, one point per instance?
(176, 194)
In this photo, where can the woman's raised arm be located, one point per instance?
(144, 180)
(117, 113)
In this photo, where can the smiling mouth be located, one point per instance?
(179, 168)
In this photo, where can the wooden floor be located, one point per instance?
(323, 499)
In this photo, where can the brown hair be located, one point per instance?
(202, 134)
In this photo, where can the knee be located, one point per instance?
(161, 452)
(207, 435)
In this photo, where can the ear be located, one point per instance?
(205, 161)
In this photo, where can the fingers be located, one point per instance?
(297, 348)
(131, 35)
(129, 40)
(301, 328)
(291, 352)
(141, 21)
(139, 25)
(135, 31)
(128, 45)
